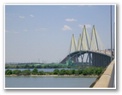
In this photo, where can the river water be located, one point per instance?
(48, 81)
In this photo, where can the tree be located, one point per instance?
(80, 71)
(62, 72)
(73, 71)
(26, 72)
(98, 71)
(26, 66)
(41, 73)
(56, 71)
(35, 71)
(68, 72)
(17, 67)
(17, 72)
(8, 72)
(85, 72)
(76, 72)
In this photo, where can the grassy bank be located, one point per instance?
(84, 76)
(91, 71)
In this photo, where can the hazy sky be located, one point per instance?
(42, 33)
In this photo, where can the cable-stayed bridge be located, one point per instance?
(89, 50)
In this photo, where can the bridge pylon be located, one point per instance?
(85, 39)
(95, 42)
(73, 47)
(79, 44)
(85, 42)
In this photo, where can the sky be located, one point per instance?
(42, 33)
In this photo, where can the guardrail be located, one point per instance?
(106, 80)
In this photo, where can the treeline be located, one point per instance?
(35, 65)
(86, 71)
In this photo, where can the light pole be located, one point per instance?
(111, 29)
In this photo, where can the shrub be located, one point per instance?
(62, 72)
(56, 71)
(98, 71)
(26, 72)
(16, 72)
(8, 72)
(35, 71)
(41, 73)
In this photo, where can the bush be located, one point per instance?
(68, 72)
(26, 72)
(35, 71)
(56, 71)
(41, 73)
(76, 72)
(84, 72)
(80, 71)
(49, 73)
(98, 71)
(17, 72)
(73, 71)
(8, 72)
(62, 72)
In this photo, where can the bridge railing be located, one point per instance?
(107, 79)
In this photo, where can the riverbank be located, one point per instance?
(84, 76)
(86, 72)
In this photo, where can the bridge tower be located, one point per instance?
(73, 47)
(79, 44)
(95, 42)
(84, 40)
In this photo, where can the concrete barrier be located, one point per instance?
(107, 78)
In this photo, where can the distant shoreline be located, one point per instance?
(85, 76)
